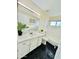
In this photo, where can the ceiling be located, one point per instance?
(52, 7)
(25, 11)
(30, 4)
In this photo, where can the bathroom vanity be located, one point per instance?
(28, 42)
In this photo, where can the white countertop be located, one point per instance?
(27, 36)
(52, 40)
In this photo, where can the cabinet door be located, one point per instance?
(23, 49)
(33, 44)
(39, 41)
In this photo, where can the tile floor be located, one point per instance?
(42, 52)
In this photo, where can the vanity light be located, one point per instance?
(28, 8)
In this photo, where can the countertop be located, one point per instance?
(28, 36)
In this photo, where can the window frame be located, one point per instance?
(56, 24)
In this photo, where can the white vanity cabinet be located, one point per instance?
(39, 41)
(33, 44)
(27, 46)
(28, 43)
(23, 49)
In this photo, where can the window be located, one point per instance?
(58, 23)
(52, 23)
(55, 23)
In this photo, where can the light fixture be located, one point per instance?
(28, 8)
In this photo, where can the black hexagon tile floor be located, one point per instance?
(42, 52)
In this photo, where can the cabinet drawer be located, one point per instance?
(23, 49)
(39, 41)
(33, 44)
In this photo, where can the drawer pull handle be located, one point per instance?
(23, 43)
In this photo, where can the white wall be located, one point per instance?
(54, 34)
